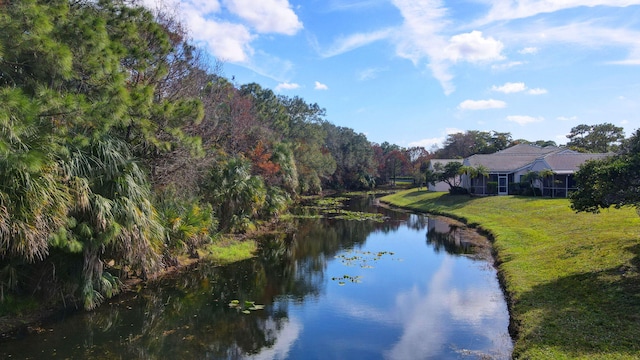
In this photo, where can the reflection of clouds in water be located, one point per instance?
(358, 310)
(286, 333)
(428, 314)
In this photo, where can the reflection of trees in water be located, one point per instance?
(448, 237)
(190, 318)
(187, 315)
(417, 222)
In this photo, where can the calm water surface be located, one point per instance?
(336, 289)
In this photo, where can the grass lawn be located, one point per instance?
(572, 279)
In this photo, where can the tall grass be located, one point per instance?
(572, 279)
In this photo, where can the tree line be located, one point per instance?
(122, 148)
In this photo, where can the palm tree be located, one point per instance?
(33, 200)
(474, 172)
(235, 194)
(113, 215)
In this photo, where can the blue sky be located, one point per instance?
(412, 71)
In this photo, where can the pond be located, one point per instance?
(408, 287)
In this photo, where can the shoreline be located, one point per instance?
(12, 326)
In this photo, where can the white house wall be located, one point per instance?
(439, 186)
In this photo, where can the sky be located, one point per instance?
(410, 72)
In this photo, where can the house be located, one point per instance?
(436, 165)
(507, 167)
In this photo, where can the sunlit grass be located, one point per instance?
(572, 278)
(228, 250)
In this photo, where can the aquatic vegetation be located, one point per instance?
(362, 259)
(359, 216)
(247, 308)
(342, 280)
(332, 207)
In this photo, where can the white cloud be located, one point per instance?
(624, 122)
(567, 118)
(320, 86)
(230, 40)
(266, 16)
(537, 91)
(287, 86)
(524, 119)
(481, 104)
(226, 41)
(473, 47)
(510, 87)
(516, 87)
(421, 37)
(528, 50)
(427, 143)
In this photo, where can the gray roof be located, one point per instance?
(502, 162)
(566, 163)
(522, 156)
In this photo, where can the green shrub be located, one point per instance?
(492, 187)
(458, 190)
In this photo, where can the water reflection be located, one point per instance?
(414, 301)
(448, 237)
(448, 306)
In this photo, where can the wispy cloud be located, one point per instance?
(421, 37)
(524, 119)
(567, 118)
(320, 86)
(355, 41)
(537, 91)
(424, 37)
(528, 50)
(593, 34)
(502, 10)
(507, 65)
(369, 73)
(482, 104)
(341, 5)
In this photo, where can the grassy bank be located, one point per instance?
(229, 250)
(572, 279)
